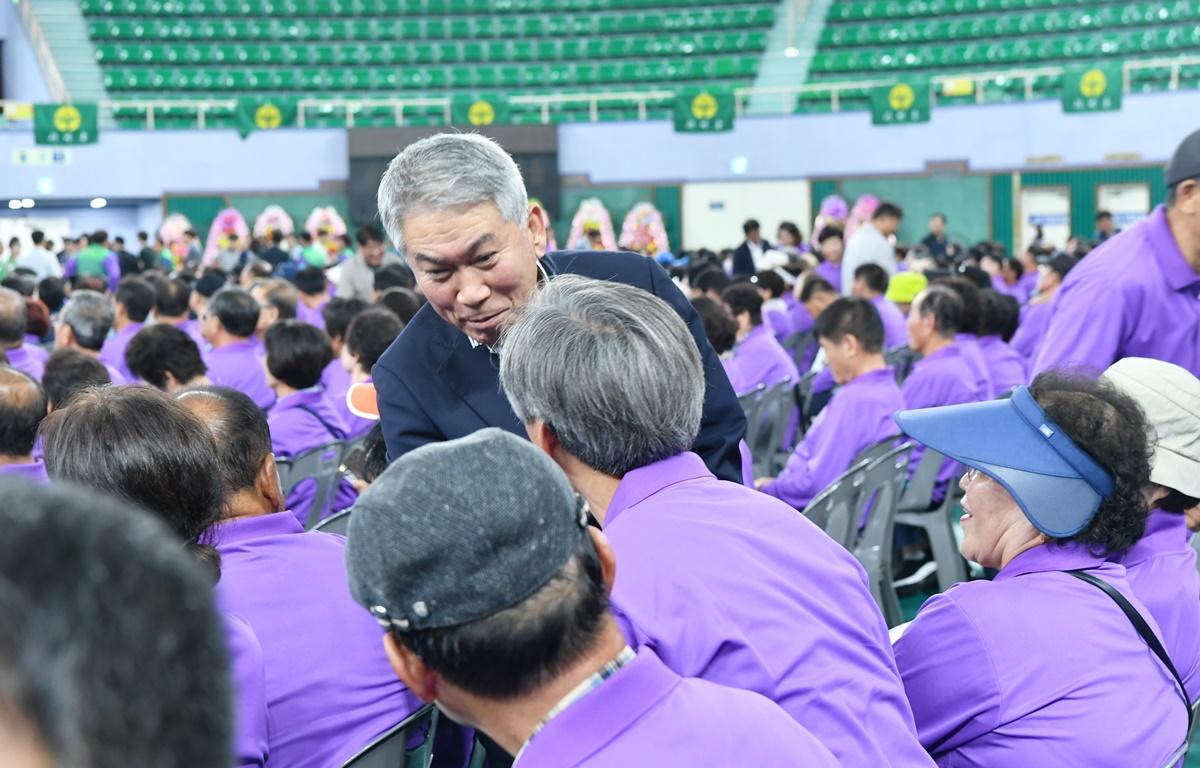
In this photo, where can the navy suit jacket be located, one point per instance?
(743, 262)
(433, 385)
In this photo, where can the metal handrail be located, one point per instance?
(46, 61)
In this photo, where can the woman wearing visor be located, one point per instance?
(1039, 667)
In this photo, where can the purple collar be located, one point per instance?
(243, 529)
(642, 483)
(1179, 274)
(310, 396)
(872, 377)
(1051, 557)
(948, 351)
(1165, 532)
(245, 345)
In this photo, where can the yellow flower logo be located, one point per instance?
(704, 106)
(481, 113)
(1093, 83)
(268, 116)
(901, 97)
(67, 119)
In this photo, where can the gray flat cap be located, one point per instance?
(1185, 163)
(455, 532)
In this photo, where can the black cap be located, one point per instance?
(1185, 163)
(1060, 262)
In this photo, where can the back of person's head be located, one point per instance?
(338, 313)
(306, 237)
(239, 429)
(280, 294)
(21, 281)
(1001, 315)
(172, 299)
(99, 237)
(394, 276)
(161, 354)
(1013, 265)
(237, 311)
(887, 210)
(52, 292)
(974, 275)
(276, 237)
(142, 236)
(13, 318)
(68, 372)
(112, 651)
(137, 296)
(641, 397)
(369, 233)
(37, 319)
(404, 303)
(750, 226)
(874, 277)
(710, 280)
(370, 334)
(90, 317)
(770, 281)
(297, 353)
(719, 327)
(814, 285)
(93, 283)
(852, 316)
(139, 444)
(38, 237)
(744, 298)
(972, 302)
(945, 306)
(311, 281)
(210, 282)
(257, 269)
(22, 408)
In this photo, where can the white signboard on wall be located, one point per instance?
(1049, 208)
(1126, 202)
(713, 212)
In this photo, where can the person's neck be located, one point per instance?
(743, 332)
(312, 302)
(171, 319)
(121, 323)
(8, 459)
(936, 343)
(511, 723)
(358, 375)
(224, 339)
(13, 344)
(1010, 549)
(1188, 242)
(869, 364)
(246, 503)
(283, 390)
(597, 488)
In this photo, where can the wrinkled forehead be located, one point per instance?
(454, 234)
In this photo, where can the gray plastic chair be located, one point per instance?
(798, 344)
(833, 509)
(901, 359)
(938, 523)
(396, 747)
(882, 483)
(339, 523)
(876, 450)
(767, 417)
(322, 464)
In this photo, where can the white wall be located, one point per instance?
(23, 80)
(713, 212)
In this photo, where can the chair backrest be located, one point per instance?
(901, 360)
(918, 493)
(322, 464)
(876, 450)
(798, 344)
(407, 745)
(766, 423)
(339, 523)
(883, 483)
(752, 406)
(833, 509)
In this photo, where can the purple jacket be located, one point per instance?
(240, 366)
(972, 355)
(1038, 668)
(943, 378)
(647, 715)
(801, 320)
(24, 359)
(859, 414)
(34, 471)
(895, 325)
(329, 688)
(1006, 367)
(734, 587)
(1134, 296)
(300, 422)
(192, 328)
(1161, 569)
(113, 351)
(1028, 338)
(831, 272)
(758, 359)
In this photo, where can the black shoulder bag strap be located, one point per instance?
(334, 432)
(1143, 629)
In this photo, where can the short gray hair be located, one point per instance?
(450, 170)
(90, 317)
(612, 369)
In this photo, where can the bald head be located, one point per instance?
(12, 318)
(243, 439)
(22, 408)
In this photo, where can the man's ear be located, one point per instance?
(608, 558)
(542, 436)
(537, 230)
(267, 483)
(417, 677)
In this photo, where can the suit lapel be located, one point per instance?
(474, 375)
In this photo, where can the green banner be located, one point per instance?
(1092, 88)
(901, 104)
(254, 114)
(484, 110)
(699, 110)
(66, 124)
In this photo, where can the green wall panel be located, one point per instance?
(1002, 210)
(821, 189)
(199, 210)
(964, 199)
(1082, 186)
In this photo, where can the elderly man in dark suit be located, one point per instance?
(456, 209)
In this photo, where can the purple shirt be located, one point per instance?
(1020, 291)
(114, 375)
(858, 415)
(646, 714)
(943, 378)
(895, 325)
(1006, 367)
(1038, 668)
(113, 351)
(831, 272)
(307, 314)
(776, 315)
(300, 422)
(1134, 296)
(23, 359)
(240, 366)
(1028, 338)
(34, 471)
(972, 355)
(758, 359)
(1161, 569)
(329, 687)
(734, 587)
(250, 740)
(192, 328)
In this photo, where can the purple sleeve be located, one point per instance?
(948, 677)
(817, 461)
(1085, 327)
(113, 267)
(250, 742)
(70, 267)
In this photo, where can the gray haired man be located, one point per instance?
(456, 209)
(84, 324)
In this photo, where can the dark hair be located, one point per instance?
(712, 279)
(159, 349)
(744, 297)
(52, 292)
(141, 235)
(37, 236)
(141, 445)
(260, 269)
(749, 226)
(137, 296)
(338, 313)
(1013, 264)
(814, 284)
(99, 237)
(939, 215)
(719, 327)
(276, 237)
(874, 277)
(404, 303)
(112, 650)
(13, 318)
(370, 334)
(1101, 215)
(239, 429)
(1177, 501)
(887, 209)
(119, 239)
(394, 276)
(210, 282)
(375, 458)
(369, 233)
(973, 274)
(1111, 428)
(972, 302)
(828, 232)
(854, 316)
(1001, 315)
(37, 318)
(20, 281)
(311, 281)
(236, 309)
(70, 371)
(297, 353)
(190, 232)
(941, 303)
(792, 230)
(521, 648)
(282, 295)
(22, 408)
(770, 281)
(172, 298)
(306, 236)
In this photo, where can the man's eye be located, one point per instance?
(485, 257)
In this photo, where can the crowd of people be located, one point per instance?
(555, 534)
